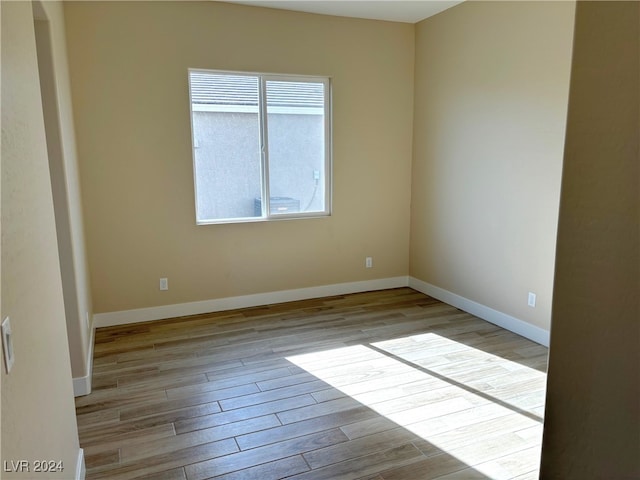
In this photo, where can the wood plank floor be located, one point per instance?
(384, 385)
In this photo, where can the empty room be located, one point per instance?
(320, 240)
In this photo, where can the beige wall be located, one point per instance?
(592, 410)
(61, 144)
(38, 417)
(128, 64)
(490, 108)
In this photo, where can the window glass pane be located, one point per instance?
(226, 145)
(296, 126)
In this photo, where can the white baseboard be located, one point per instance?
(125, 317)
(231, 303)
(82, 385)
(536, 334)
(81, 470)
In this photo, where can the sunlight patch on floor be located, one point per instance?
(481, 408)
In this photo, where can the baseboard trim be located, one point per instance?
(124, 317)
(81, 471)
(515, 325)
(82, 385)
(231, 303)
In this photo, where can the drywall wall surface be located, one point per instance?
(128, 65)
(54, 78)
(38, 415)
(592, 419)
(491, 87)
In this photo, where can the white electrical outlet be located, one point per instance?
(532, 299)
(7, 344)
(164, 284)
(368, 262)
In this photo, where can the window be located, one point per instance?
(261, 146)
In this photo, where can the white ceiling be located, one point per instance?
(408, 11)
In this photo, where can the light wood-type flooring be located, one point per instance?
(385, 385)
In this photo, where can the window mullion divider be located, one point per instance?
(264, 146)
(327, 143)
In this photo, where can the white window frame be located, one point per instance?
(264, 147)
